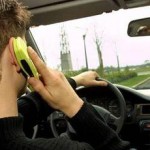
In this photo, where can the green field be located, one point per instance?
(142, 69)
(134, 81)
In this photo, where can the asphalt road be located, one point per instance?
(144, 85)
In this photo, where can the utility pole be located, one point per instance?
(117, 57)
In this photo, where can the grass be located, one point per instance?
(142, 69)
(134, 81)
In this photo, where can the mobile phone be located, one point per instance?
(23, 59)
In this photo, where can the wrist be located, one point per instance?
(72, 83)
(77, 80)
(72, 109)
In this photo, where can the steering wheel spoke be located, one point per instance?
(113, 119)
(58, 123)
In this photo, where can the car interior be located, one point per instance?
(125, 109)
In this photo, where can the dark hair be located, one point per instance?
(14, 20)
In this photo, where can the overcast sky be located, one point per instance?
(111, 29)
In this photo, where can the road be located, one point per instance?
(144, 85)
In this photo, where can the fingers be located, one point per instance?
(99, 83)
(95, 82)
(39, 87)
(39, 64)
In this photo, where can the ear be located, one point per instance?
(13, 57)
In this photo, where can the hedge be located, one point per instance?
(117, 77)
(114, 77)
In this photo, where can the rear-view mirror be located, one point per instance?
(139, 27)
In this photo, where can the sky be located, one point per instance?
(111, 29)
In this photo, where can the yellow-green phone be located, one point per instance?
(23, 59)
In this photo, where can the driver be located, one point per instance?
(53, 88)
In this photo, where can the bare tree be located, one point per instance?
(98, 42)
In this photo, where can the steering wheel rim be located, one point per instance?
(108, 116)
(118, 121)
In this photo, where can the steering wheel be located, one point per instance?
(109, 118)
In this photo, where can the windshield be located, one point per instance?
(98, 43)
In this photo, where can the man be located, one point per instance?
(143, 31)
(54, 90)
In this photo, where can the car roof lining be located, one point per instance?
(68, 10)
(137, 3)
(54, 11)
(32, 4)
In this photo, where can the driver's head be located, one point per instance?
(14, 19)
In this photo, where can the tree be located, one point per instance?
(98, 43)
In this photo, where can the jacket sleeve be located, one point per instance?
(91, 128)
(72, 83)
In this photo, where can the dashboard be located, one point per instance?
(137, 104)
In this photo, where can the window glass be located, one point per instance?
(98, 43)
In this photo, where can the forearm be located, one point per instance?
(91, 129)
